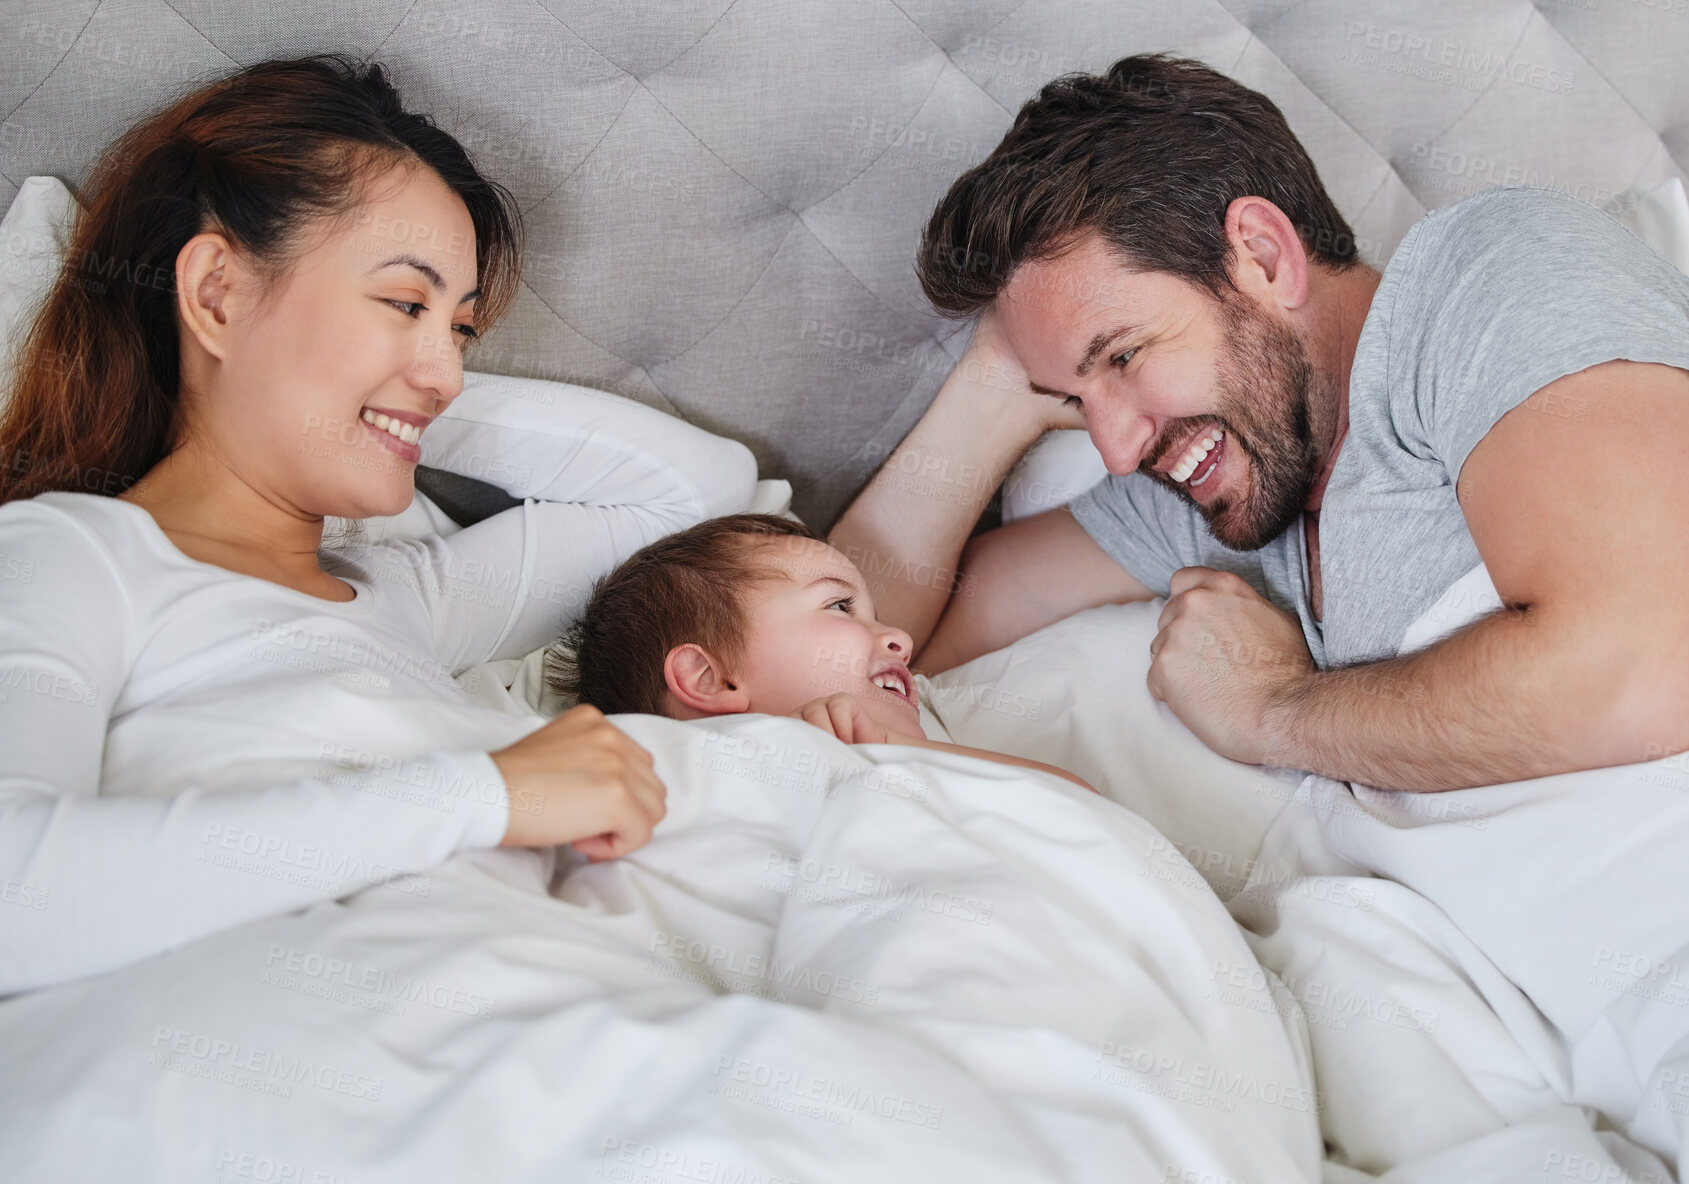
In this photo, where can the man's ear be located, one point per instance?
(701, 683)
(209, 272)
(1269, 261)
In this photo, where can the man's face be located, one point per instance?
(1156, 362)
(812, 633)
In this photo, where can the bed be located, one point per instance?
(883, 963)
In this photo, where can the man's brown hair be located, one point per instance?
(687, 587)
(1149, 155)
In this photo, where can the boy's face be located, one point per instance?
(814, 634)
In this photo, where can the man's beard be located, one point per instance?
(1266, 380)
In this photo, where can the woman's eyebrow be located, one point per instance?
(427, 269)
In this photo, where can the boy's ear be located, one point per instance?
(701, 684)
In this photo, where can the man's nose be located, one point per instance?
(1123, 439)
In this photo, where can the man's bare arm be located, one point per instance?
(1576, 499)
(1020, 578)
(1496, 701)
(906, 529)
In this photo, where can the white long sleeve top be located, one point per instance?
(184, 748)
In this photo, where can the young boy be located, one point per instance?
(749, 612)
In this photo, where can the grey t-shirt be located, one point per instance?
(1484, 304)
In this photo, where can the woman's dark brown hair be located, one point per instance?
(1149, 155)
(687, 587)
(264, 156)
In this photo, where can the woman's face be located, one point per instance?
(364, 337)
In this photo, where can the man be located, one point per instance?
(1157, 261)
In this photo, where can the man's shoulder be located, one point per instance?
(1501, 224)
(1505, 201)
(1505, 256)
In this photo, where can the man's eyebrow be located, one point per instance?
(1099, 343)
(426, 268)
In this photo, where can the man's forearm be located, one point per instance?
(1507, 698)
(907, 527)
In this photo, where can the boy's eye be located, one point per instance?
(1122, 359)
(847, 603)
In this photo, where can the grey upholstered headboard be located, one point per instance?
(723, 196)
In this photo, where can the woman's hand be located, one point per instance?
(580, 780)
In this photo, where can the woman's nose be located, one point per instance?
(438, 366)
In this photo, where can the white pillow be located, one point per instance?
(1075, 694)
(1658, 214)
(1054, 471)
(34, 239)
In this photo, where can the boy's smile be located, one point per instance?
(811, 632)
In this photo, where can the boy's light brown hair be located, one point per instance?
(687, 587)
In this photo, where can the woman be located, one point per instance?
(203, 720)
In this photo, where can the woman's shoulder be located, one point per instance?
(61, 519)
(64, 544)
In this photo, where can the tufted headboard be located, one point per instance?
(722, 197)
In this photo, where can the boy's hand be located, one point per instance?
(842, 716)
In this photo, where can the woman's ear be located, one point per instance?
(701, 684)
(208, 271)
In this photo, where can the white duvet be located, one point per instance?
(882, 963)
(1510, 1003)
(833, 963)
(1565, 899)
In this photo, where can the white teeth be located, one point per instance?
(398, 429)
(1197, 453)
(889, 682)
